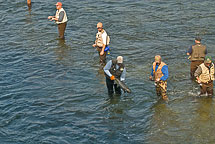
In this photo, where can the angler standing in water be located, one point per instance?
(60, 18)
(114, 69)
(102, 41)
(160, 75)
(197, 53)
(205, 76)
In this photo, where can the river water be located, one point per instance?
(54, 91)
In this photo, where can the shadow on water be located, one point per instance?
(101, 76)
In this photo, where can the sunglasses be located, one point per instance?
(99, 27)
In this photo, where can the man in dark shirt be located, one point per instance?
(196, 54)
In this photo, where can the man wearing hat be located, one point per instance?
(160, 74)
(197, 53)
(60, 18)
(205, 76)
(114, 69)
(102, 40)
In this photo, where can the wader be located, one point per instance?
(61, 29)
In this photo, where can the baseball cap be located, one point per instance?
(208, 59)
(119, 59)
(59, 4)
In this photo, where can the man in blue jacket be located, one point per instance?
(160, 74)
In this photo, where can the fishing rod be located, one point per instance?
(122, 85)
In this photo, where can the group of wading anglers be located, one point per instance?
(201, 67)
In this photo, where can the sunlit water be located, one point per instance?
(54, 91)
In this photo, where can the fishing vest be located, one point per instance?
(99, 39)
(57, 16)
(207, 74)
(198, 52)
(158, 74)
(116, 72)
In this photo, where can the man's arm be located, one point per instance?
(51, 17)
(189, 52)
(104, 38)
(151, 76)
(197, 73)
(107, 68)
(60, 19)
(165, 73)
(61, 16)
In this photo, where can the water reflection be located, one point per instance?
(101, 76)
(115, 108)
(62, 50)
(114, 99)
(163, 124)
(29, 8)
(203, 124)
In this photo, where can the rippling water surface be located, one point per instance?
(53, 91)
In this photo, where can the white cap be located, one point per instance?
(119, 59)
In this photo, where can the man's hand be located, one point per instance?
(157, 80)
(101, 53)
(50, 17)
(150, 77)
(112, 77)
(198, 80)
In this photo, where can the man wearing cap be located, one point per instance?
(60, 18)
(197, 53)
(114, 69)
(205, 76)
(102, 40)
(160, 74)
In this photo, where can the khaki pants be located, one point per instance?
(61, 30)
(193, 67)
(206, 88)
(102, 57)
(161, 88)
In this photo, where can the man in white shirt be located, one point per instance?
(101, 42)
(60, 19)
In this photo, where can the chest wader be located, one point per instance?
(161, 86)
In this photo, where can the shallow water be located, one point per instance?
(53, 91)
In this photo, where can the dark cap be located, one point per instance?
(198, 39)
